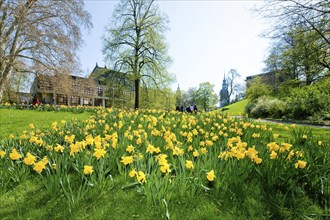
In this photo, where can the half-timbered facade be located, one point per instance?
(75, 90)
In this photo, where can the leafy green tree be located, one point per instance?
(135, 44)
(178, 97)
(154, 98)
(188, 97)
(19, 81)
(298, 55)
(258, 89)
(119, 87)
(191, 95)
(205, 96)
(185, 98)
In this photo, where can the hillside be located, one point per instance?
(237, 108)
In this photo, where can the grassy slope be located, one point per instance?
(237, 108)
(13, 121)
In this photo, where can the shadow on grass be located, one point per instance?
(29, 200)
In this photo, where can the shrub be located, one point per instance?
(324, 85)
(308, 102)
(251, 104)
(268, 107)
(285, 87)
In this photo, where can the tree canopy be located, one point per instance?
(43, 35)
(205, 96)
(258, 89)
(134, 44)
(301, 39)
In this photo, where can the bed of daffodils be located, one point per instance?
(48, 107)
(166, 156)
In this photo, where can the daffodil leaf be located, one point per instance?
(131, 185)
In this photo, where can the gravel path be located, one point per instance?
(297, 123)
(287, 122)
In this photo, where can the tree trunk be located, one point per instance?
(6, 74)
(137, 93)
(1, 93)
(308, 75)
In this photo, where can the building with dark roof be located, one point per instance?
(103, 87)
(267, 78)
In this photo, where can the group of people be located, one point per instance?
(36, 101)
(189, 108)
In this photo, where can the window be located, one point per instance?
(45, 84)
(86, 101)
(99, 91)
(61, 100)
(75, 87)
(75, 100)
(88, 91)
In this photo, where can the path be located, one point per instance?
(287, 122)
(297, 123)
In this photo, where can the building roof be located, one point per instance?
(261, 75)
(104, 75)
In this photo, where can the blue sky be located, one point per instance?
(206, 39)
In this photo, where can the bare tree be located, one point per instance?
(288, 14)
(301, 31)
(135, 44)
(44, 35)
(232, 83)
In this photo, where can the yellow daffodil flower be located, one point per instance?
(301, 164)
(189, 164)
(273, 155)
(126, 160)
(2, 153)
(88, 170)
(98, 153)
(14, 155)
(29, 159)
(210, 175)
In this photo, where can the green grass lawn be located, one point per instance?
(14, 121)
(29, 199)
(285, 131)
(236, 109)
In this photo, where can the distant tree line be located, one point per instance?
(203, 97)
